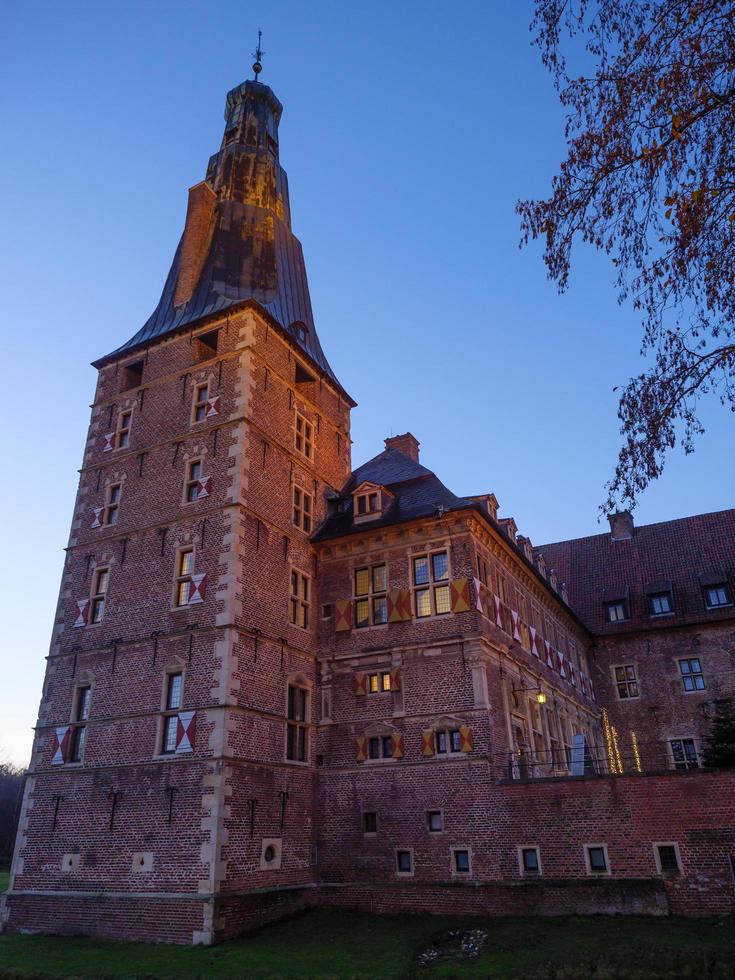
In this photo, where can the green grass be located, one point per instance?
(334, 944)
(4, 879)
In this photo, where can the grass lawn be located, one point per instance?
(335, 944)
(4, 879)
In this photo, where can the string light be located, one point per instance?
(636, 753)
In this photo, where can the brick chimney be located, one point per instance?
(407, 444)
(621, 525)
(195, 243)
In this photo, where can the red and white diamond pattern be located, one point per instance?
(98, 511)
(186, 732)
(82, 613)
(197, 588)
(61, 745)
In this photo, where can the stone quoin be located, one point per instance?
(276, 682)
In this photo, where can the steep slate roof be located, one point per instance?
(597, 569)
(417, 491)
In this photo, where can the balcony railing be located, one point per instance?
(593, 761)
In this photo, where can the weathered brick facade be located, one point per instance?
(274, 682)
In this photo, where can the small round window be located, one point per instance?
(269, 853)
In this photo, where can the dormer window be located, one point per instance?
(368, 503)
(617, 612)
(659, 604)
(716, 596)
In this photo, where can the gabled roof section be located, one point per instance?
(417, 492)
(682, 554)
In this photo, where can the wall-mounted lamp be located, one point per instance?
(540, 697)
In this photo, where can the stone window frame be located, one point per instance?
(396, 866)
(453, 851)
(657, 857)
(77, 723)
(302, 514)
(112, 506)
(300, 682)
(587, 847)
(198, 403)
(626, 681)
(299, 601)
(372, 595)
(190, 480)
(95, 596)
(174, 667)
(381, 675)
(179, 576)
(523, 870)
(122, 431)
(307, 436)
(432, 585)
(380, 730)
(442, 829)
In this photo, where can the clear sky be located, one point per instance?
(410, 129)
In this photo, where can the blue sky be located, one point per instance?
(409, 131)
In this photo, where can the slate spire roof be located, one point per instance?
(238, 246)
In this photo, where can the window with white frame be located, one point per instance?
(660, 604)
(199, 407)
(597, 859)
(299, 599)
(99, 595)
(668, 861)
(184, 572)
(302, 509)
(172, 705)
(122, 434)
(83, 700)
(692, 677)
(431, 584)
(371, 602)
(304, 436)
(684, 753)
(717, 595)
(626, 681)
(616, 612)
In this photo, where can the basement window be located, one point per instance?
(530, 864)
(460, 861)
(205, 345)
(404, 862)
(597, 862)
(132, 376)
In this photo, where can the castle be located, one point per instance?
(275, 681)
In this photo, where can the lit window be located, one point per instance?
(112, 507)
(379, 682)
(371, 603)
(193, 478)
(716, 596)
(684, 753)
(99, 594)
(448, 740)
(299, 599)
(529, 861)
(668, 859)
(370, 822)
(174, 690)
(297, 725)
(404, 862)
(302, 502)
(626, 682)
(380, 747)
(184, 572)
(431, 584)
(616, 612)
(304, 436)
(660, 604)
(435, 821)
(122, 436)
(79, 729)
(201, 393)
(691, 674)
(597, 859)
(461, 861)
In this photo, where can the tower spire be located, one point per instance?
(258, 55)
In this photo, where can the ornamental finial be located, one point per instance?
(258, 54)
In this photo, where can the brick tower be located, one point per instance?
(171, 786)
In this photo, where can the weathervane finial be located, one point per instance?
(258, 54)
